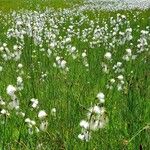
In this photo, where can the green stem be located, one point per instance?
(4, 133)
(137, 133)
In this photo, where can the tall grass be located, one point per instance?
(72, 93)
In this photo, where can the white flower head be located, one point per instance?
(96, 109)
(37, 130)
(3, 111)
(11, 90)
(34, 102)
(85, 136)
(53, 111)
(15, 47)
(58, 58)
(73, 49)
(2, 103)
(81, 137)
(1, 68)
(108, 55)
(19, 80)
(119, 64)
(129, 52)
(94, 125)
(42, 114)
(112, 80)
(63, 64)
(84, 124)
(14, 104)
(120, 77)
(33, 122)
(101, 97)
(83, 54)
(27, 120)
(43, 126)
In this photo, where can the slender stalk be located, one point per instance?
(138, 132)
(4, 133)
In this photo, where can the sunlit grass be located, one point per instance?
(8, 5)
(72, 93)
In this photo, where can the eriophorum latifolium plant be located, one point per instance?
(75, 78)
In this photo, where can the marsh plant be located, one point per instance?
(75, 78)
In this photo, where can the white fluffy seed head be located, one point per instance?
(42, 114)
(120, 77)
(96, 109)
(129, 52)
(53, 111)
(1, 48)
(3, 111)
(73, 49)
(112, 80)
(10, 90)
(33, 122)
(15, 47)
(83, 54)
(81, 137)
(43, 126)
(19, 79)
(20, 66)
(101, 97)
(119, 64)
(84, 124)
(27, 120)
(34, 102)
(58, 58)
(108, 55)
(1, 68)
(63, 64)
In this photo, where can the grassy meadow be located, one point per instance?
(8, 5)
(73, 78)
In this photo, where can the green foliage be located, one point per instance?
(8, 5)
(128, 111)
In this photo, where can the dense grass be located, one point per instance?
(8, 5)
(72, 92)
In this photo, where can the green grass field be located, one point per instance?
(8, 5)
(53, 65)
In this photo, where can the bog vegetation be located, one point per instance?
(74, 75)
